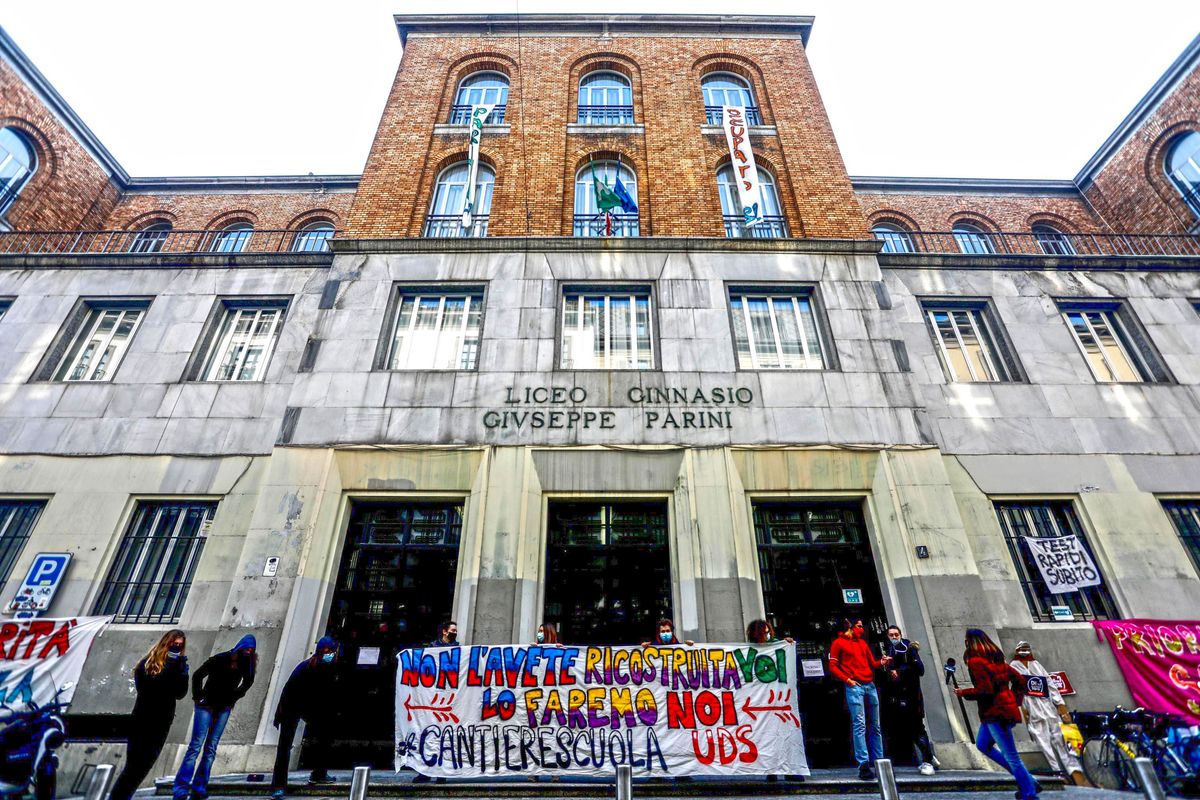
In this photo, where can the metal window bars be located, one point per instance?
(605, 115)
(595, 225)
(771, 227)
(1043, 244)
(714, 116)
(147, 242)
(1185, 514)
(449, 226)
(461, 114)
(17, 518)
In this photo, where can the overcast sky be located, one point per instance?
(1003, 89)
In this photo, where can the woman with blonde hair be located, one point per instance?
(161, 678)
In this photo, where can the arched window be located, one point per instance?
(726, 89)
(1052, 241)
(972, 239)
(589, 219)
(232, 238)
(151, 238)
(480, 88)
(605, 98)
(1183, 167)
(895, 238)
(449, 196)
(313, 237)
(772, 226)
(18, 162)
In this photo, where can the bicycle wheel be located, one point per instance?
(1106, 765)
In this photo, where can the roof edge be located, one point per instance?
(241, 182)
(1035, 186)
(61, 108)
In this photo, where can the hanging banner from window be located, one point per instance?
(745, 172)
(709, 709)
(37, 656)
(475, 128)
(1065, 564)
(1160, 660)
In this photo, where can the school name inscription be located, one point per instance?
(567, 408)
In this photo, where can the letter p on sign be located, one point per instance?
(48, 569)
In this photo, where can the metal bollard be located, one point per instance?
(887, 779)
(624, 782)
(1151, 788)
(98, 785)
(358, 783)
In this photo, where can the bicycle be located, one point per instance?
(1113, 739)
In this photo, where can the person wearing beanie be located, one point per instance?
(1045, 712)
(220, 682)
(310, 694)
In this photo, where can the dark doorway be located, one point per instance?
(608, 570)
(809, 555)
(395, 585)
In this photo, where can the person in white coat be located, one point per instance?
(1044, 712)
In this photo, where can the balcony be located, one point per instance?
(1052, 245)
(769, 228)
(618, 225)
(157, 242)
(605, 115)
(449, 226)
(461, 115)
(714, 116)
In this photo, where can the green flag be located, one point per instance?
(606, 198)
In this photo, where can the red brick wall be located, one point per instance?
(204, 211)
(997, 212)
(536, 162)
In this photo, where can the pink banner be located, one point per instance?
(1160, 660)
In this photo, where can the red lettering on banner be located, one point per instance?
(37, 629)
(7, 631)
(60, 641)
(724, 746)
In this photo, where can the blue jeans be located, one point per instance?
(992, 734)
(207, 726)
(863, 702)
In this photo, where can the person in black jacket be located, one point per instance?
(217, 685)
(160, 678)
(904, 704)
(309, 695)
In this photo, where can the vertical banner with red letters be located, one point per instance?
(745, 172)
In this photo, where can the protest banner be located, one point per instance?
(741, 158)
(37, 656)
(1064, 562)
(708, 709)
(1160, 660)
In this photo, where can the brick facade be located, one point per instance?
(994, 212)
(204, 211)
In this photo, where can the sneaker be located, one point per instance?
(320, 780)
(865, 773)
(925, 769)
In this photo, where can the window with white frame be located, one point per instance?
(18, 162)
(449, 198)
(772, 226)
(967, 343)
(1183, 168)
(607, 328)
(1052, 241)
(103, 332)
(150, 239)
(480, 89)
(152, 573)
(726, 89)
(895, 238)
(972, 239)
(776, 328)
(1107, 336)
(605, 98)
(17, 518)
(232, 238)
(589, 219)
(1042, 519)
(242, 340)
(313, 237)
(436, 328)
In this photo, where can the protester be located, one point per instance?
(664, 635)
(310, 694)
(998, 688)
(903, 702)
(547, 634)
(447, 635)
(160, 678)
(219, 683)
(852, 662)
(1045, 713)
(759, 631)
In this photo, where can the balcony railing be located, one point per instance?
(714, 116)
(461, 115)
(1040, 244)
(769, 228)
(148, 242)
(449, 226)
(595, 225)
(605, 115)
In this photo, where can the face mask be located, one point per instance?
(327, 658)
(175, 649)
(541, 637)
(452, 637)
(666, 637)
(173, 654)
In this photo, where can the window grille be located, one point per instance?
(103, 338)
(436, 330)
(724, 89)
(968, 350)
(607, 330)
(605, 98)
(589, 221)
(17, 518)
(972, 239)
(450, 196)
(776, 330)
(895, 239)
(1185, 514)
(480, 89)
(243, 342)
(232, 238)
(772, 226)
(151, 238)
(313, 238)
(1052, 241)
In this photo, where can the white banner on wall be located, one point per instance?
(475, 128)
(39, 655)
(709, 709)
(1065, 564)
(745, 172)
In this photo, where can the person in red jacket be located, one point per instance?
(998, 689)
(852, 662)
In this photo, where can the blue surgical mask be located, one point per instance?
(666, 637)
(541, 637)
(327, 658)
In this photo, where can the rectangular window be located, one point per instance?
(1115, 349)
(1049, 519)
(5, 304)
(241, 342)
(776, 329)
(103, 332)
(607, 329)
(17, 518)
(966, 345)
(152, 573)
(1186, 516)
(436, 329)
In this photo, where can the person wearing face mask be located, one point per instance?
(310, 694)
(546, 634)
(160, 678)
(447, 635)
(664, 635)
(852, 662)
(903, 703)
(759, 631)
(1045, 712)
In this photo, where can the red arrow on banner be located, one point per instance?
(442, 708)
(783, 711)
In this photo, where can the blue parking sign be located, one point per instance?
(41, 582)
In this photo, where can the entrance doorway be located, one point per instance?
(608, 570)
(816, 567)
(394, 586)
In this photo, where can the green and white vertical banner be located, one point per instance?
(475, 126)
(745, 172)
